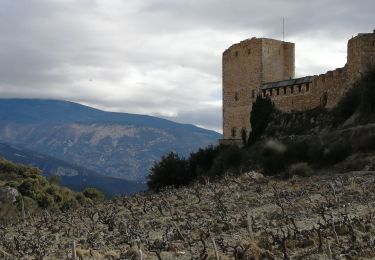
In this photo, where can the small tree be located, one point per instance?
(260, 115)
(170, 171)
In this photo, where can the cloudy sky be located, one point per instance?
(159, 57)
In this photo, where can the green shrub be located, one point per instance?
(38, 192)
(229, 159)
(29, 188)
(45, 201)
(93, 194)
(69, 204)
(273, 157)
(81, 199)
(171, 170)
(200, 162)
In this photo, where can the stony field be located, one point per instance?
(247, 217)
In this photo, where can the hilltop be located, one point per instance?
(24, 191)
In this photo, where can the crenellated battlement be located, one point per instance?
(261, 66)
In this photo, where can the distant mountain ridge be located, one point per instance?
(117, 145)
(49, 111)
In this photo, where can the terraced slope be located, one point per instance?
(249, 217)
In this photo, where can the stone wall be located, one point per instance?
(327, 89)
(246, 66)
(323, 90)
(249, 65)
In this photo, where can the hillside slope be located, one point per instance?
(113, 144)
(72, 176)
(249, 217)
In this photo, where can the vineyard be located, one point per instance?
(245, 217)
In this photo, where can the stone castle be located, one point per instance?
(260, 66)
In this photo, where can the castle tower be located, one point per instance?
(246, 65)
(361, 55)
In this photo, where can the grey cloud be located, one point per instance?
(158, 57)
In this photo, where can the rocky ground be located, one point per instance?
(247, 217)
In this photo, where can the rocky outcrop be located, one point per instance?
(8, 195)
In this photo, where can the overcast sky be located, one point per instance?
(159, 57)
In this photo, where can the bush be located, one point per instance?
(170, 171)
(93, 194)
(45, 201)
(200, 162)
(230, 158)
(69, 204)
(273, 157)
(29, 188)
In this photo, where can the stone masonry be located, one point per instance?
(260, 66)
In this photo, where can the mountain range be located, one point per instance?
(109, 144)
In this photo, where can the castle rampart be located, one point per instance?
(266, 67)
